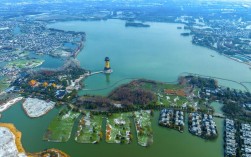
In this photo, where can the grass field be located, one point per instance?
(118, 128)
(89, 129)
(60, 128)
(171, 100)
(164, 98)
(159, 87)
(21, 64)
(143, 127)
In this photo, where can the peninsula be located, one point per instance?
(35, 108)
(11, 145)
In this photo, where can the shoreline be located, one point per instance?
(225, 55)
(62, 154)
(17, 135)
(36, 115)
(9, 103)
(80, 48)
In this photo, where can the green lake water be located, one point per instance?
(158, 53)
(167, 142)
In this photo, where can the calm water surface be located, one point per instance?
(167, 142)
(158, 53)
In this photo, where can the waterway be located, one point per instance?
(167, 142)
(217, 107)
(158, 53)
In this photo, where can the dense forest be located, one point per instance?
(129, 95)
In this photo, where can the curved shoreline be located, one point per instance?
(8, 104)
(17, 135)
(219, 78)
(62, 154)
(29, 111)
(189, 73)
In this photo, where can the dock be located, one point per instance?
(94, 73)
(219, 115)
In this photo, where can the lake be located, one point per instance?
(159, 53)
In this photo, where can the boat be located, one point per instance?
(212, 55)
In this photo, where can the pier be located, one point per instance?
(219, 115)
(94, 73)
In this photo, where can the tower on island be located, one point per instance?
(107, 68)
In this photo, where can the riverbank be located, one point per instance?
(35, 108)
(17, 140)
(60, 128)
(11, 138)
(80, 48)
(49, 152)
(8, 104)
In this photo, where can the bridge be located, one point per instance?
(94, 73)
(219, 115)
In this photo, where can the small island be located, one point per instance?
(136, 24)
(118, 128)
(89, 129)
(173, 119)
(11, 145)
(60, 128)
(144, 127)
(34, 107)
(202, 125)
(185, 34)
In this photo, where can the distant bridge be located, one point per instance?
(94, 73)
(219, 115)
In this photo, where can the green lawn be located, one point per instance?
(89, 129)
(171, 100)
(159, 87)
(118, 128)
(143, 127)
(60, 128)
(31, 63)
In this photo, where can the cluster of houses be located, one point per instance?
(230, 139)
(246, 137)
(202, 125)
(12, 71)
(172, 119)
(209, 125)
(165, 117)
(195, 126)
(179, 118)
(231, 144)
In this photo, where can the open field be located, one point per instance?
(118, 128)
(21, 64)
(89, 129)
(61, 126)
(144, 127)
